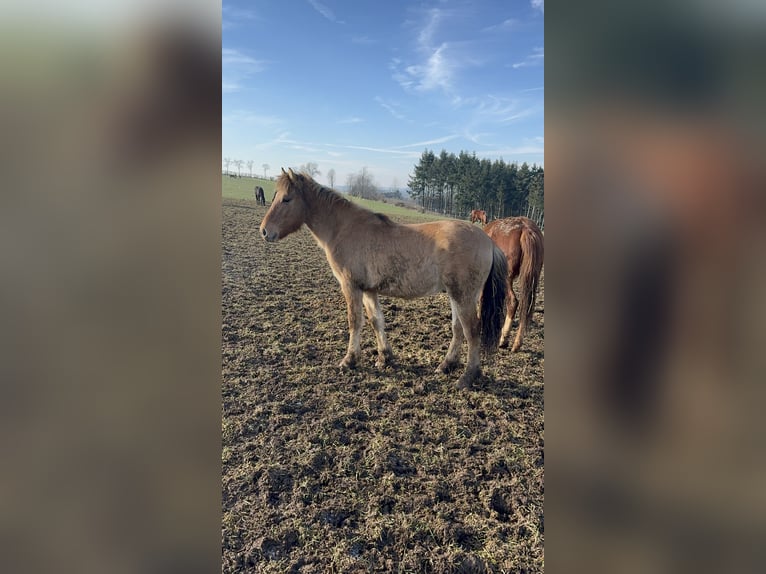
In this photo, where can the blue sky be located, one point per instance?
(353, 83)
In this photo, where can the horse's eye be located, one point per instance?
(286, 199)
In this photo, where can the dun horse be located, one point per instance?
(371, 255)
(479, 215)
(522, 242)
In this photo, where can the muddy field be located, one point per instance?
(373, 470)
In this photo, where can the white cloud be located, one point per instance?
(437, 65)
(534, 59)
(390, 107)
(235, 58)
(237, 67)
(246, 117)
(538, 5)
(504, 25)
(351, 120)
(325, 11)
(437, 71)
(430, 142)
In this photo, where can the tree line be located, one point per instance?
(238, 163)
(454, 185)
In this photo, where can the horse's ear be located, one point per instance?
(284, 172)
(291, 174)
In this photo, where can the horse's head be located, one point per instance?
(288, 210)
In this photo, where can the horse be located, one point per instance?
(260, 196)
(522, 242)
(371, 255)
(479, 215)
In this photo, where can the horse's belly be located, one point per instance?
(411, 287)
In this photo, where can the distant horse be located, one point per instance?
(371, 255)
(522, 242)
(479, 215)
(260, 196)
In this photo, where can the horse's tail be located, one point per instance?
(529, 273)
(492, 306)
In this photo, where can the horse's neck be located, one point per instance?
(326, 218)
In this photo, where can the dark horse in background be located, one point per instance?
(479, 215)
(371, 255)
(522, 242)
(260, 196)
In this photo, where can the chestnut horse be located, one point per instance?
(479, 215)
(371, 255)
(522, 242)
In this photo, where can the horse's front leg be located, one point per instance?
(355, 321)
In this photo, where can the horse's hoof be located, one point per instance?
(384, 359)
(516, 347)
(503, 344)
(446, 368)
(348, 362)
(465, 382)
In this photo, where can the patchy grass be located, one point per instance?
(373, 470)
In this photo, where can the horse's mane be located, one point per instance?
(332, 198)
(327, 195)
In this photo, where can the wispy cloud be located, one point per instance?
(437, 65)
(487, 113)
(230, 57)
(429, 142)
(236, 68)
(436, 71)
(325, 11)
(363, 40)
(233, 16)
(504, 25)
(534, 59)
(538, 5)
(390, 107)
(390, 150)
(351, 120)
(246, 117)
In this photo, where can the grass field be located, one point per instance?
(242, 188)
(371, 470)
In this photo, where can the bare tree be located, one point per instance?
(238, 163)
(362, 185)
(250, 167)
(331, 178)
(311, 168)
(266, 167)
(227, 163)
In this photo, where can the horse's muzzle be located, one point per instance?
(268, 236)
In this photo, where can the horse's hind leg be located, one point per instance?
(510, 311)
(453, 353)
(470, 320)
(374, 313)
(355, 320)
(522, 328)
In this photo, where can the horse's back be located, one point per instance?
(460, 248)
(507, 234)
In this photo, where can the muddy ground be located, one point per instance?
(374, 470)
